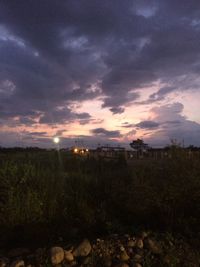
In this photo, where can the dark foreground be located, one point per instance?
(142, 250)
(49, 196)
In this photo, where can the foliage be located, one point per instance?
(138, 145)
(49, 187)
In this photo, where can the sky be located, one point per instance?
(99, 72)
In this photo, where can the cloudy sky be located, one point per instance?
(99, 71)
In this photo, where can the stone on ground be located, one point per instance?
(57, 255)
(69, 256)
(83, 249)
(124, 256)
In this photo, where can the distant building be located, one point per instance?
(109, 152)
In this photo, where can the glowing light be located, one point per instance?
(56, 140)
(75, 150)
(87, 150)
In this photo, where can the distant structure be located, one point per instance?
(140, 150)
(110, 152)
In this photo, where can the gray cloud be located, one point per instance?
(35, 133)
(128, 125)
(83, 115)
(161, 93)
(174, 126)
(125, 45)
(105, 133)
(147, 124)
(63, 115)
(169, 123)
(54, 53)
(117, 110)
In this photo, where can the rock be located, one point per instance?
(18, 252)
(154, 247)
(131, 243)
(83, 249)
(139, 243)
(4, 262)
(124, 256)
(57, 255)
(69, 256)
(17, 263)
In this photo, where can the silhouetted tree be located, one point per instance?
(139, 145)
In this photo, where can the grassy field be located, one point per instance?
(48, 194)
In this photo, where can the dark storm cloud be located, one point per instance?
(26, 120)
(36, 133)
(105, 133)
(63, 115)
(160, 94)
(56, 52)
(83, 115)
(173, 122)
(147, 125)
(117, 110)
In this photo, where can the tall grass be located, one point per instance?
(49, 187)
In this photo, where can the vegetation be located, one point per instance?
(138, 145)
(45, 189)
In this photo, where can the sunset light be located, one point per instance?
(99, 133)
